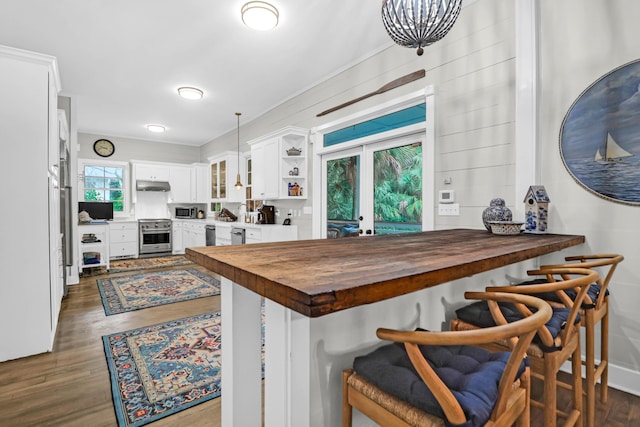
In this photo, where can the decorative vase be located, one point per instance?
(496, 211)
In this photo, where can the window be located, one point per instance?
(376, 170)
(104, 182)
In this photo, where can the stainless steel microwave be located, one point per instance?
(185, 212)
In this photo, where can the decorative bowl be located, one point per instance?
(294, 151)
(505, 227)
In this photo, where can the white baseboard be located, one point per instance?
(620, 378)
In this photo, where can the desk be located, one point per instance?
(307, 280)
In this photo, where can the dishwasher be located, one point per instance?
(237, 236)
(210, 234)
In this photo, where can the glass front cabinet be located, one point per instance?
(223, 171)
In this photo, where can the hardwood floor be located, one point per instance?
(70, 386)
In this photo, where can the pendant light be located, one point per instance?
(238, 183)
(419, 23)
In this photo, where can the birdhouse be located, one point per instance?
(536, 210)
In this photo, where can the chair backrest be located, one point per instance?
(558, 280)
(593, 261)
(523, 330)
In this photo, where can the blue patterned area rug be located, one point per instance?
(162, 369)
(136, 291)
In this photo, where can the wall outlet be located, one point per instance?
(449, 209)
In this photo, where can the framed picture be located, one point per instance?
(600, 136)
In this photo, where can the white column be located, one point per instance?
(287, 393)
(527, 168)
(241, 356)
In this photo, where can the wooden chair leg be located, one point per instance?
(550, 384)
(604, 355)
(590, 368)
(524, 420)
(576, 373)
(347, 410)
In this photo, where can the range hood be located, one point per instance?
(142, 185)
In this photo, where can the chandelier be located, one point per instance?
(419, 23)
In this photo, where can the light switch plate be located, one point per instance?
(449, 209)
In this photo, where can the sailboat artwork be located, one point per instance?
(612, 151)
(600, 136)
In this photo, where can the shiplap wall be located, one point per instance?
(581, 41)
(472, 71)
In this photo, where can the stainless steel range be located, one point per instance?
(154, 237)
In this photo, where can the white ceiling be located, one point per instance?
(123, 60)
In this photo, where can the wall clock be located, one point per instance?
(104, 147)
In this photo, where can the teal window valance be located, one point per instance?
(402, 118)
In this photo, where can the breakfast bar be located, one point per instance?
(317, 289)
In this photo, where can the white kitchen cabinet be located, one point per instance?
(194, 234)
(29, 260)
(181, 185)
(265, 160)
(224, 170)
(151, 172)
(223, 234)
(274, 170)
(123, 239)
(93, 246)
(187, 234)
(177, 244)
(253, 235)
(200, 183)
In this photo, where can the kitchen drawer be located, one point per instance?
(119, 236)
(129, 249)
(195, 225)
(253, 235)
(118, 226)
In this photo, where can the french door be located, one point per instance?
(374, 188)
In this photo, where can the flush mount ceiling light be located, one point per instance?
(238, 182)
(259, 15)
(419, 23)
(190, 92)
(156, 128)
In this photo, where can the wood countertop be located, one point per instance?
(321, 276)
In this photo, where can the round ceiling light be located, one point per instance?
(190, 92)
(260, 15)
(156, 128)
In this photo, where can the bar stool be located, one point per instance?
(555, 343)
(595, 308)
(429, 378)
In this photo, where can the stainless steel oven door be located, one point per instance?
(155, 241)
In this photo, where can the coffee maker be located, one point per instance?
(267, 214)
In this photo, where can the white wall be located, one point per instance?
(136, 149)
(580, 41)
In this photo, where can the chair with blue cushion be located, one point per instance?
(444, 378)
(595, 308)
(555, 343)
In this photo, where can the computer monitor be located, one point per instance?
(97, 210)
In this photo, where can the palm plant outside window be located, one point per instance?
(104, 183)
(397, 192)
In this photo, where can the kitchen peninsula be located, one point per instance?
(315, 291)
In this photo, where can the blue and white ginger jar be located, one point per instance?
(497, 211)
